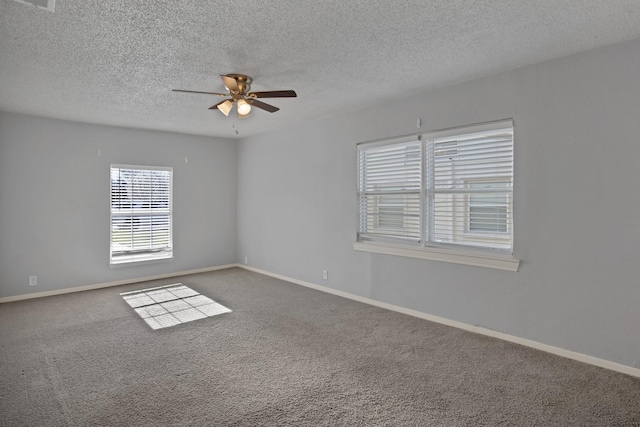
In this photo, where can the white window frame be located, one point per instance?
(120, 258)
(426, 247)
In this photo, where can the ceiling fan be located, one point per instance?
(238, 86)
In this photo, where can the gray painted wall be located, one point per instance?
(577, 204)
(54, 201)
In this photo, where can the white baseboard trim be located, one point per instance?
(602, 363)
(110, 284)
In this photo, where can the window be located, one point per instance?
(390, 181)
(141, 214)
(488, 211)
(449, 189)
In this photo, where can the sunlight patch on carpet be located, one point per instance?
(172, 305)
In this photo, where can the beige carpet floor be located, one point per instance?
(285, 356)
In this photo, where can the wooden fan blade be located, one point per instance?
(262, 105)
(230, 82)
(274, 94)
(196, 91)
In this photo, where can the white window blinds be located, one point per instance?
(450, 188)
(469, 190)
(389, 190)
(141, 213)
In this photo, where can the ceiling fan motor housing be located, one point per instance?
(243, 84)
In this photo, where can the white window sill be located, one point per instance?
(133, 262)
(499, 262)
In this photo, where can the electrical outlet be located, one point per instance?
(325, 274)
(246, 260)
(33, 280)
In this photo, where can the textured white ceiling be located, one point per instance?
(116, 61)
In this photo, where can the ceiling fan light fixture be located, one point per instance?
(225, 107)
(244, 107)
